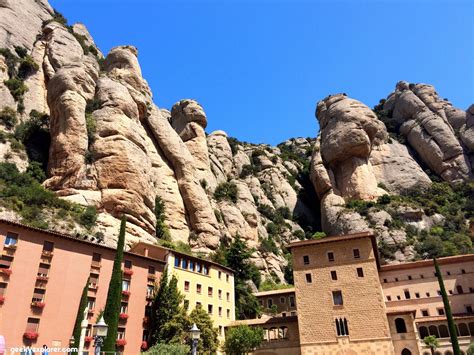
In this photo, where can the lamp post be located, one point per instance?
(195, 335)
(71, 343)
(99, 332)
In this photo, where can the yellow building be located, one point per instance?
(203, 283)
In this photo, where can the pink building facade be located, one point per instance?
(42, 275)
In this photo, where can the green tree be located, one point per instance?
(114, 294)
(208, 342)
(237, 257)
(168, 349)
(242, 340)
(470, 349)
(447, 310)
(162, 231)
(165, 306)
(80, 316)
(431, 342)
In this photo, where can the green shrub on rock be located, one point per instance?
(8, 117)
(226, 191)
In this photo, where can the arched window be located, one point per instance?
(284, 332)
(273, 334)
(447, 352)
(433, 330)
(463, 329)
(280, 333)
(400, 325)
(423, 332)
(265, 334)
(443, 331)
(406, 352)
(471, 328)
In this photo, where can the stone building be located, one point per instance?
(347, 303)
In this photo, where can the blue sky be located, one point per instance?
(259, 67)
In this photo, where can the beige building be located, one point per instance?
(202, 282)
(348, 304)
(278, 302)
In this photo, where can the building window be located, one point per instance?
(384, 281)
(422, 276)
(337, 298)
(198, 267)
(198, 288)
(450, 292)
(209, 308)
(219, 274)
(417, 294)
(360, 272)
(123, 308)
(389, 298)
(206, 270)
(396, 279)
(184, 264)
(427, 294)
(176, 261)
(407, 294)
(260, 302)
(127, 264)
(228, 313)
(186, 286)
(91, 303)
(469, 309)
(309, 278)
(3, 287)
(227, 296)
(270, 303)
(219, 294)
(399, 298)
(150, 290)
(471, 289)
(151, 270)
(330, 256)
(48, 246)
(292, 301)
(283, 314)
(191, 265)
(333, 275)
(459, 289)
(282, 300)
(32, 324)
(463, 271)
(342, 328)
(220, 311)
(209, 291)
(96, 257)
(306, 260)
(11, 239)
(400, 325)
(409, 277)
(448, 273)
(440, 311)
(425, 313)
(227, 277)
(438, 292)
(125, 285)
(356, 253)
(186, 304)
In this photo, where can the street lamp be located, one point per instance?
(195, 335)
(99, 331)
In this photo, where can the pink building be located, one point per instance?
(42, 275)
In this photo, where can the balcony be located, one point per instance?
(6, 272)
(30, 335)
(93, 286)
(38, 304)
(42, 277)
(47, 254)
(2, 300)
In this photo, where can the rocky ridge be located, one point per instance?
(110, 146)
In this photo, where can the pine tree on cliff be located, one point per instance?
(114, 295)
(166, 304)
(80, 315)
(447, 310)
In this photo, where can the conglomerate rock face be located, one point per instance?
(112, 147)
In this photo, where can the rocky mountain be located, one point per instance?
(87, 128)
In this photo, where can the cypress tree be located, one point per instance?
(80, 316)
(114, 295)
(447, 310)
(166, 305)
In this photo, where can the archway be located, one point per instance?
(406, 352)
